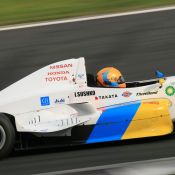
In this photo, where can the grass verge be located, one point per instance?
(22, 11)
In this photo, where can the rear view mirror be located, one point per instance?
(159, 74)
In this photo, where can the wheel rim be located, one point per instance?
(2, 137)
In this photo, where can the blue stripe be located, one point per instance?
(105, 77)
(113, 123)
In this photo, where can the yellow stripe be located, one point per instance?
(152, 119)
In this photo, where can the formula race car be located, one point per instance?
(62, 101)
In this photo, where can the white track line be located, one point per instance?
(39, 24)
(112, 166)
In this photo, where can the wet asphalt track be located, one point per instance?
(136, 44)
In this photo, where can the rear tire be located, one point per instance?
(7, 136)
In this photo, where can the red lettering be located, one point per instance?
(57, 73)
(60, 66)
(54, 79)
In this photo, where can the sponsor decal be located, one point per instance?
(81, 76)
(56, 76)
(84, 93)
(103, 97)
(170, 90)
(146, 93)
(126, 94)
(60, 66)
(45, 101)
(96, 98)
(60, 101)
(55, 79)
(58, 73)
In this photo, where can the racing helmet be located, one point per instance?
(110, 77)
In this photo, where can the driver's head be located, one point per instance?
(110, 77)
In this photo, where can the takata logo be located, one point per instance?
(126, 94)
(103, 97)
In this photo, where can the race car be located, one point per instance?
(62, 101)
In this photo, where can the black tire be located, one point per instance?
(7, 136)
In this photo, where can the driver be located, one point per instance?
(110, 77)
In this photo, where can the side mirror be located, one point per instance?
(159, 74)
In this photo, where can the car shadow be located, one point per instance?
(57, 149)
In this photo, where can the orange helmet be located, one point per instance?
(110, 77)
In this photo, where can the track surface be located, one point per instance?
(136, 44)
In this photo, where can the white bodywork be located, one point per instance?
(56, 98)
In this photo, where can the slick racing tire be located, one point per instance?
(7, 136)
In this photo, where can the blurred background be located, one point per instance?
(20, 11)
(136, 44)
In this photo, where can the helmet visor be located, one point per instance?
(121, 80)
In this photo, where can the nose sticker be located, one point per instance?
(45, 101)
(170, 90)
